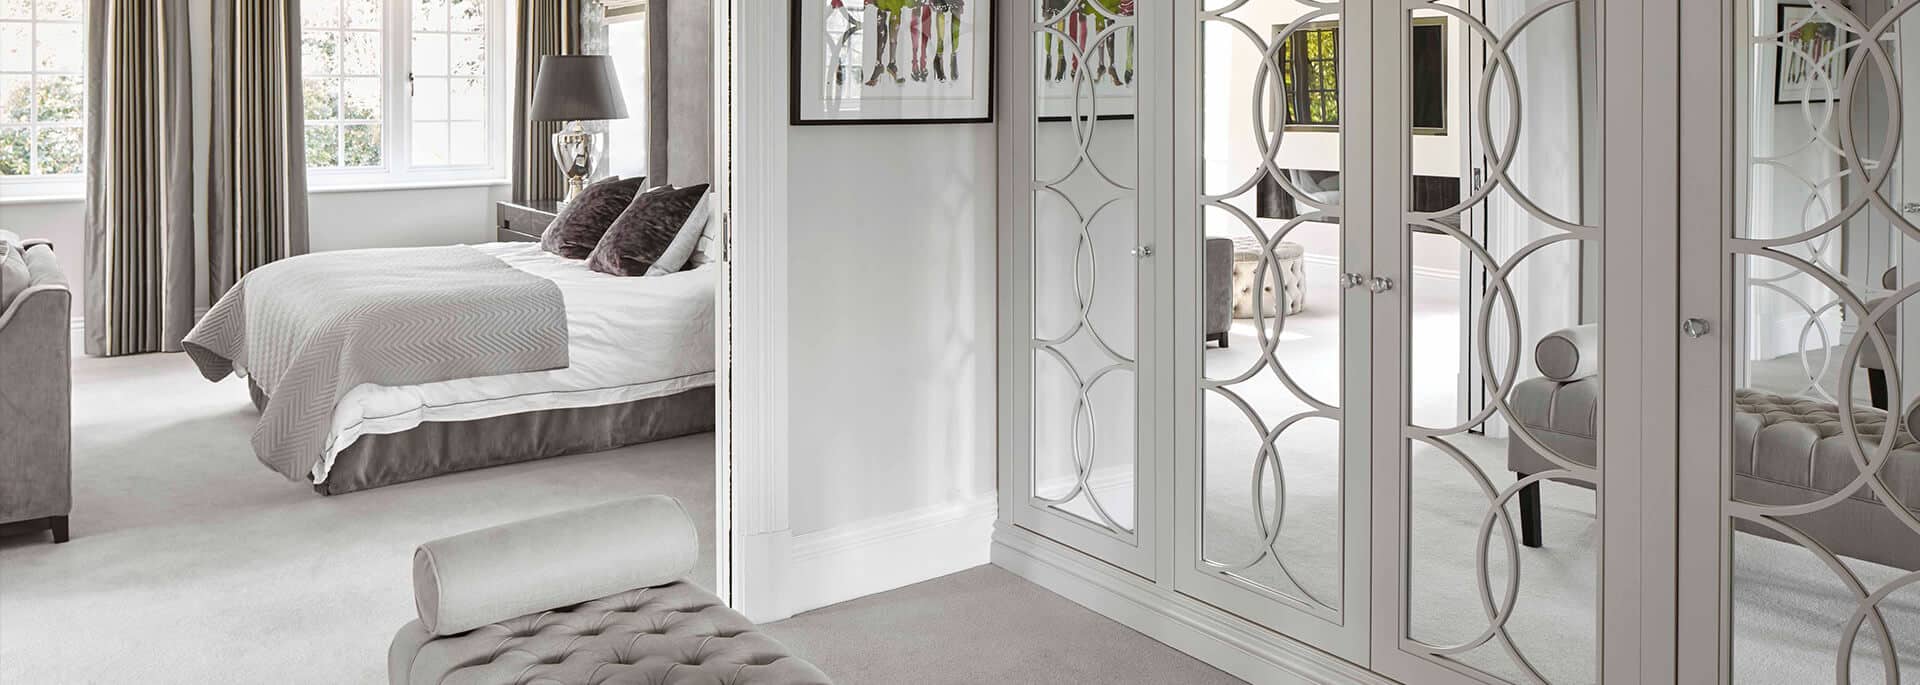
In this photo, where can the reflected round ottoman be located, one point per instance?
(1285, 281)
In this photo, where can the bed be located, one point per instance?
(638, 367)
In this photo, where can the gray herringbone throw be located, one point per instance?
(310, 328)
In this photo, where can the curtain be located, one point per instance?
(256, 165)
(547, 27)
(139, 222)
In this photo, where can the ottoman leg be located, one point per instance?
(1877, 388)
(58, 524)
(1530, 514)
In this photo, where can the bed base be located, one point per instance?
(438, 448)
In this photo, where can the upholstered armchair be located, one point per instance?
(36, 405)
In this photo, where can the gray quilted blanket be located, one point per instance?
(310, 328)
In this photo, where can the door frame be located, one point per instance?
(753, 549)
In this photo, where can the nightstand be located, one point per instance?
(524, 221)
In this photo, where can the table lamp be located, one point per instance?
(573, 89)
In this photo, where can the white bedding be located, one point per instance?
(629, 339)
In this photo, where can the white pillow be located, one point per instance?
(711, 247)
(685, 242)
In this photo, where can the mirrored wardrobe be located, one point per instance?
(1457, 341)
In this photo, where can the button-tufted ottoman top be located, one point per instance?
(1800, 442)
(676, 633)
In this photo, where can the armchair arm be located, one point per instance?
(470, 580)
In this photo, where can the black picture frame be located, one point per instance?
(1780, 25)
(796, 117)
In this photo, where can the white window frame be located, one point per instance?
(43, 187)
(397, 170)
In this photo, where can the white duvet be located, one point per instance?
(629, 338)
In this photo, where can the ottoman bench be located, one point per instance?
(1787, 450)
(1285, 279)
(583, 597)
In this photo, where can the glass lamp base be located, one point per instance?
(578, 152)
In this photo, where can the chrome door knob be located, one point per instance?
(1696, 327)
(1141, 252)
(1380, 284)
(1351, 280)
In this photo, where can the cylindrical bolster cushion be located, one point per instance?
(1569, 354)
(487, 576)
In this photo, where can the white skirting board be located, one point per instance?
(1223, 640)
(881, 554)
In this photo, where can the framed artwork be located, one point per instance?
(892, 62)
(1073, 80)
(1809, 63)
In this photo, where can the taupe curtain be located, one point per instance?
(547, 27)
(256, 165)
(139, 224)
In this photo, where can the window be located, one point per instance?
(341, 49)
(449, 83)
(1310, 75)
(402, 91)
(43, 92)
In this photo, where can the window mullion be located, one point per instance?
(397, 130)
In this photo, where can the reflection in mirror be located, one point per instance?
(1271, 405)
(1504, 381)
(1824, 470)
(1085, 286)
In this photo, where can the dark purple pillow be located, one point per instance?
(643, 232)
(579, 225)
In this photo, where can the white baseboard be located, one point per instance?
(881, 554)
(1225, 641)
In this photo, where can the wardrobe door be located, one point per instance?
(1078, 413)
(1490, 537)
(1804, 496)
(1272, 362)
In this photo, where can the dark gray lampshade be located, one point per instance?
(577, 88)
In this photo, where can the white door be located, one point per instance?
(1081, 256)
(1272, 363)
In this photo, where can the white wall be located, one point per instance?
(891, 311)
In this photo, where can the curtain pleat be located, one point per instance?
(256, 166)
(139, 223)
(547, 27)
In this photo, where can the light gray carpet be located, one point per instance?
(983, 625)
(184, 546)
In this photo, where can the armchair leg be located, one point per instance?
(1530, 514)
(58, 524)
(1218, 338)
(1877, 388)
